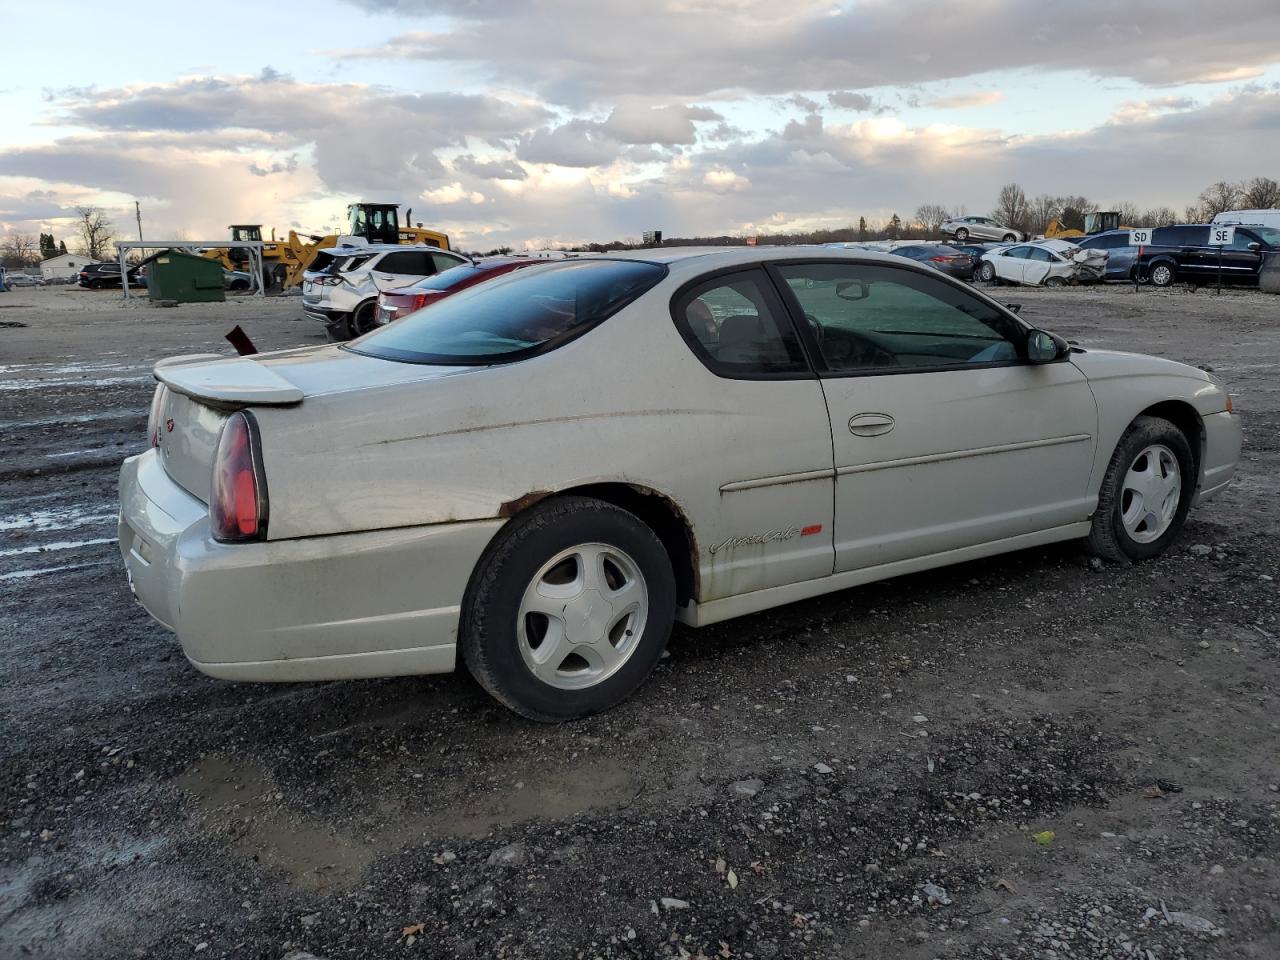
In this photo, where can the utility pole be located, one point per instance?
(137, 209)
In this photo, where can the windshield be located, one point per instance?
(1268, 235)
(518, 315)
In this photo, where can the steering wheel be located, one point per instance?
(868, 353)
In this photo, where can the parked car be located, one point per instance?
(1182, 254)
(237, 280)
(341, 291)
(24, 280)
(981, 228)
(536, 475)
(399, 303)
(949, 260)
(975, 250)
(1049, 263)
(1121, 257)
(96, 276)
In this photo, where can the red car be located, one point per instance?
(398, 304)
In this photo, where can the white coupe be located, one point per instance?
(540, 473)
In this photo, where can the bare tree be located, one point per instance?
(95, 233)
(1260, 193)
(1042, 211)
(930, 217)
(1130, 215)
(1158, 217)
(19, 250)
(1072, 211)
(1219, 197)
(1011, 207)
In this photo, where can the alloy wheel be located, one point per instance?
(582, 616)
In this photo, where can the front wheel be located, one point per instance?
(987, 272)
(962, 234)
(1055, 282)
(1145, 493)
(569, 610)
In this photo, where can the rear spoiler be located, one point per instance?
(227, 380)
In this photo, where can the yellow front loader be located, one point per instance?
(285, 261)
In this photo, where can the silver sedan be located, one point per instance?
(981, 228)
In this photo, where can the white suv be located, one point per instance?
(341, 288)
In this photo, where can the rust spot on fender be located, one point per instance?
(509, 509)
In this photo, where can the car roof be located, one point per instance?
(706, 259)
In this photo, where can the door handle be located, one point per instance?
(870, 424)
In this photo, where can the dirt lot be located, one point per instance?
(1083, 758)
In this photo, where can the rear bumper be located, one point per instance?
(374, 604)
(1223, 438)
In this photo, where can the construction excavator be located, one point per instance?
(1097, 222)
(285, 261)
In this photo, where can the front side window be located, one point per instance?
(872, 318)
(520, 315)
(737, 327)
(1041, 254)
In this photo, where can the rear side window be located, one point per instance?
(1183, 236)
(738, 327)
(443, 261)
(522, 314)
(414, 263)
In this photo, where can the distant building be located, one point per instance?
(62, 266)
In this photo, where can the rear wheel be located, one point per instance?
(569, 610)
(1010, 238)
(1162, 275)
(362, 320)
(1145, 493)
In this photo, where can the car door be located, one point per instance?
(1037, 264)
(944, 435)
(1010, 263)
(771, 523)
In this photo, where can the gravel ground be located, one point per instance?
(1030, 756)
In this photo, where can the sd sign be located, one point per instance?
(1140, 237)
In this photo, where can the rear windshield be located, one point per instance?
(515, 316)
(448, 279)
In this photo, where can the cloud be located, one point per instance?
(845, 100)
(452, 193)
(289, 165)
(577, 143)
(494, 169)
(640, 124)
(961, 101)
(580, 54)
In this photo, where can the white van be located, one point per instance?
(1250, 218)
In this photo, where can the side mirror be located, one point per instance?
(1044, 347)
(1255, 247)
(853, 290)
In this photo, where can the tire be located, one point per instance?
(1010, 238)
(239, 286)
(987, 272)
(962, 234)
(362, 319)
(1162, 275)
(1150, 442)
(95, 284)
(339, 331)
(551, 549)
(1055, 282)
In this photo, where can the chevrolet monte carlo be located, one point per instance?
(538, 475)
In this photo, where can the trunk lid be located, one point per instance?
(201, 391)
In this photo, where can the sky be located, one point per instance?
(532, 123)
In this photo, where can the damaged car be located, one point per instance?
(572, 457)
(1048, 263)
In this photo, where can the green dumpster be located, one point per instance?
(184, 278)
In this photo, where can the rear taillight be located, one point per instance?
(153, 418)
(419, 301)
(238, 500)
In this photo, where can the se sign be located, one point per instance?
(1221, 236)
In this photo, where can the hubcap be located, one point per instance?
(1150, 493)
(582, 616)
(1161, 276)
